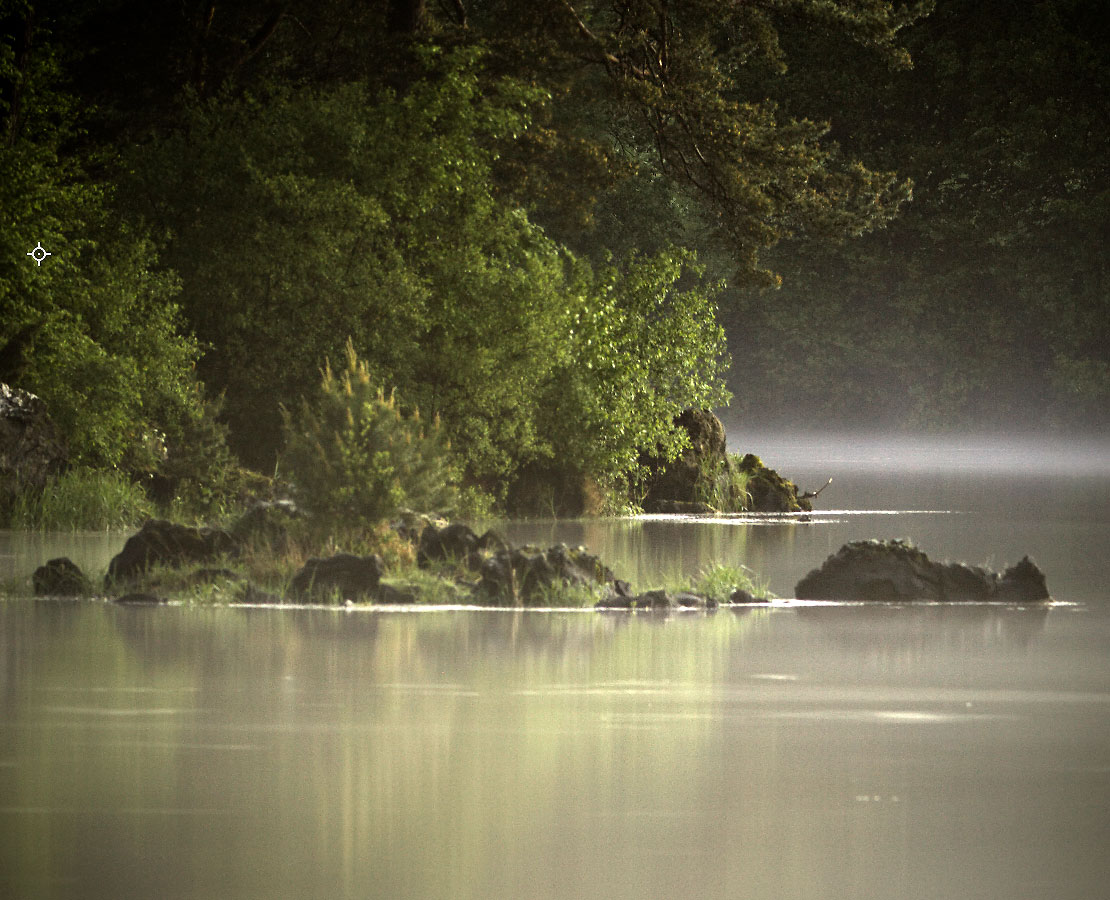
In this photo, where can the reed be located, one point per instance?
(82, 499)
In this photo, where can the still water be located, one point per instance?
(787, 752)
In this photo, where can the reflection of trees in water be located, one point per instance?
(26, 629)
(921, 629)
(653, 552)
(215, 648)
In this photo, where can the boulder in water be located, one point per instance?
(160, 542)
(898, 571)
(60, 577)
(345, 576)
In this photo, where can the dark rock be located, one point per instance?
(140, 599)
(60, 577)
(495, 578)
(695, 472)
(657, 600)
(527, 575)
(388, 593)
(31, 449)
(453, 543)
(741, 596)
(898, 571)
(351, 577)
(492, 542)
(267, 522)
(1023, 582)
(690, 600)
(769, 491)
(167, 543)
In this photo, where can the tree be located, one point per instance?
(93, 329)
(353, 454)
(985, 302)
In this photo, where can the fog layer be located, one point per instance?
(1043, 454)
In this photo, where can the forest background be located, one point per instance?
(548, 227)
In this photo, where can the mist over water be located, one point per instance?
(1056, 454)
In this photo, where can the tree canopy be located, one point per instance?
(550, 224)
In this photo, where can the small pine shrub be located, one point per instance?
(354, 455)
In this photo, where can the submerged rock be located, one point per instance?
(141, 599)
(898, 571)
(657, 600)
(166, 543)
(681, 507)
(60, 577)
(348, 576)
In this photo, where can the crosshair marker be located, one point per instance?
(38, 254)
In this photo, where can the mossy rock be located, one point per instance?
(61, 577)
(693, 476)
(770, 492)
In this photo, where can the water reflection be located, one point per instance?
(787, 752)
(922, 630)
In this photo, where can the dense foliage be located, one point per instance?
(93, 330)
(985, 303)
(538, 222)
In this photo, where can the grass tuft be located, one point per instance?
(718, 580)
(83, 500)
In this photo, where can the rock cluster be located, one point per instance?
(898, 571)
(531, 576)
(705, 469)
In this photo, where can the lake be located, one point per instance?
(795, 751)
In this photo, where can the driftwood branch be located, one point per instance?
(809, 495)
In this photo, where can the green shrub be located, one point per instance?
(83, 499)
(354, 454)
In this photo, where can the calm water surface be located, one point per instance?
(792, 752)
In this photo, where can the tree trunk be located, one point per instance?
(404, 16)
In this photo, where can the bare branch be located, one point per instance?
(260, 37)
